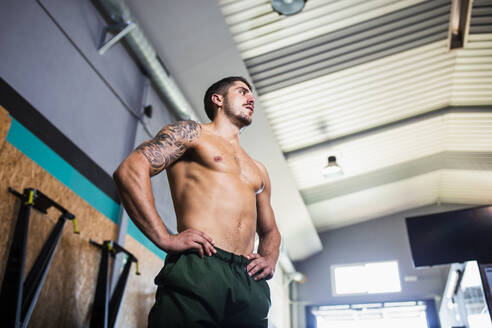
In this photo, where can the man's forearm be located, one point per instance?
(136, 196)
(269, 245)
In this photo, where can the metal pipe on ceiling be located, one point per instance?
(119, 13)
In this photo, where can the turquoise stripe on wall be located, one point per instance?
(44, 156)
(138, 235)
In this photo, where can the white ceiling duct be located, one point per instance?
(119, 13)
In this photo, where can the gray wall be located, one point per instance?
(49, 55)
(381, 239)
(64, 78)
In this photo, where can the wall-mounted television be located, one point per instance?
(451, 237)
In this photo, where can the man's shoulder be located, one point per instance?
(184, 130)
(260, 166)
(184, 125)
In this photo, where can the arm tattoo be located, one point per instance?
(169, 144)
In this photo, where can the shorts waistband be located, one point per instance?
(221, 254)
(231, 257)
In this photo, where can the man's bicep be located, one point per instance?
(266, 217)
(169, 144)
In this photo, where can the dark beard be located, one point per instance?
(244, 119)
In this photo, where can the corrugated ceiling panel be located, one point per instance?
(451, 160)
(472, 78)
(449, 132)
(356, 33)
(468, 131)
(361, 97)
(385, 67)
(481, 18)
(356, 98)
(370, 153)
(447, 186)
(369, 40)
(466, 187)
(382, 91)
(267, 31)
(376, 202)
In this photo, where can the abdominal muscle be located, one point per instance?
(220, 204)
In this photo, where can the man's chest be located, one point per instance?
(223, 156)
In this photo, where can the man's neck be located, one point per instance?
(225, 128)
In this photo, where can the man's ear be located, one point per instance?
(218, 99)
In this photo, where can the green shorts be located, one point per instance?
(213, 291)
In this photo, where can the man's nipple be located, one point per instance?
(217, 158)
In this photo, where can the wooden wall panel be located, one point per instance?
(67, 294)
(141, 288)
(4, 125)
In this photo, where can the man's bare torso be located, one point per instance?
(213, 186)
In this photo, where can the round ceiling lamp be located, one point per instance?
(288, 7)
(332, 168)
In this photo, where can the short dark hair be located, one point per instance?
(221, 87)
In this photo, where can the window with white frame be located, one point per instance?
(366, 278)
(410, 314)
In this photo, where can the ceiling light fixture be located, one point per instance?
(332, 168)
(288, 7)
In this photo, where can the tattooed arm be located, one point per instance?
(169, 144)
(133, 182)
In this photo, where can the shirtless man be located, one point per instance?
(221, 196)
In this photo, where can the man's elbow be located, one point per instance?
(127, 171)
(120, 173)
(272, 232)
